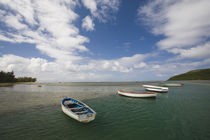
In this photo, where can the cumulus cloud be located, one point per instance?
(87, 23)
(198, 52)
(102, 9)
(183, 23)
(12, 20)
(90, 4)
(166, 70)
(56, 71)
(124, 64)
(46, 22)
(24, 8)
(50, 26)
(24, 65)
(50, 22)
(185, 29)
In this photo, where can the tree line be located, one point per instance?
(9, 77)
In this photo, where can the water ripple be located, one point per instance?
(29, 112)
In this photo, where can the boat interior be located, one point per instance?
(76, 107)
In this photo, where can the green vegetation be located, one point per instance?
(26, 79)
(200, 74)
(9, 77)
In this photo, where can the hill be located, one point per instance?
(199, 74)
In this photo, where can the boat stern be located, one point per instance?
(87, 117)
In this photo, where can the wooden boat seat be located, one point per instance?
(72, 105)
(77, 109)
(81, 112)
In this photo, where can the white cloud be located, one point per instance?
(50, 26)
(55, 26)
(20, 64)
(22, 7)
(184, 23)
(90, 4)
(140, 65)
(57, 70)
(166, 70)
(48, 22)
(156, 66)
(198, 52)
(12, 20)
(87, 24)
(124, 64)
(126, 68)
(102, 9)
(185, 27)
(55, 17)
(56, 36)
(3, 38)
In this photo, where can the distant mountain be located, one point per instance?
(200, 74)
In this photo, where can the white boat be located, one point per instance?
(155, 88)
(77, 110)
(172, 84)
(137, 94)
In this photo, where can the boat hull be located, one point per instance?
(156, 90)
(172, 84)
(156, 87)
(137, 94)
(84, 118)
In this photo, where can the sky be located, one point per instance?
(104, 40)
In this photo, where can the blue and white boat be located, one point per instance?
(77, 110)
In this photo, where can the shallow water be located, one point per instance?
(31, 112)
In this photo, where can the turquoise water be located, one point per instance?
(34, 113)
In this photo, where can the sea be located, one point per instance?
(31, 112)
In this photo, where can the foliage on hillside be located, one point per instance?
(200, 74)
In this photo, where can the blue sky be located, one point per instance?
(104, 40)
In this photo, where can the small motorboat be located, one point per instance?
(172, 84)
(137, 94)
(155, 88)
(77, 110)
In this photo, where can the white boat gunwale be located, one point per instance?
(155, 87)
(156, 90)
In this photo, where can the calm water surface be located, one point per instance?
(34, 113)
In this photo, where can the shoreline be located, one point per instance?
(98, 83)
(11, 84)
